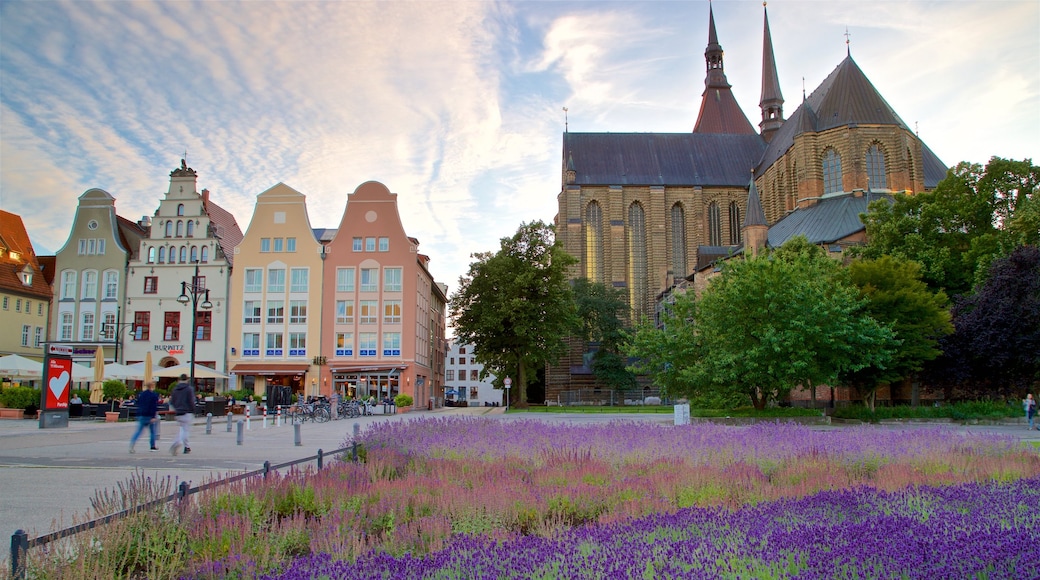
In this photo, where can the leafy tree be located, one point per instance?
(670, 355)
(897, 297)
(994, 350)
(515, 306)
(974, 215)
(600, 310)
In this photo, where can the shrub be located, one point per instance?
(114, 389)
(403, 401)
(20, 398)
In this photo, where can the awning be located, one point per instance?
(270, 369)
(367, 369)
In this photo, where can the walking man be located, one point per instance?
(1030, 407)
(147, 415)
(182, 399)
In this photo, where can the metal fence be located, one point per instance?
(609, 397)
(21, 543)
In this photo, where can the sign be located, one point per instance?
(508, 382)
(61, 349)
(59, 379)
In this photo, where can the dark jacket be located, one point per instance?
(182, 399)
(147, 404)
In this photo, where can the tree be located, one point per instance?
(895, 296)
(515, 306)
(994, 350)
(670, 354)
(600, 310)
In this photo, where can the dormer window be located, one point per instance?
(26, 275)
(14, 255)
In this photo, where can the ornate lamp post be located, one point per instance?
(114, 329)
(191, 293)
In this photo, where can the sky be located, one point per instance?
(457, 107)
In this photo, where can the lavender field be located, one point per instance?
(479, 498)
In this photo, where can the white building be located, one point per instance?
(462, 379)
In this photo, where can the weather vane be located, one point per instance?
(565, 122)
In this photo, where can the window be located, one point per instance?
(638, 273)
(82, 248)
(18, 305)
(205, 254)
(25, 334)
(357, 244)
(297, 344)
(474, 393)
(276, 281)
(391, 344)
(184, 254)
(367, 344)
(449, 375)
(392, 312)
(199, 282)
(369, 280)
(39, 309)
(344, 344)
(38, 338)
(108, 327)
(392, 279)
(279, 244)
(290, 244)
(151, 284)
(714, 224)
(384, 244)
(169, 229)
(452, 360)
(87, 329)
(298, 312)
(344, 312)
(876, 176)
(89, 285)
(204, 325)
(101, 247)
(298, 279)
(734, 223)
(191, 229)
(194, 254)
(251, 312)
(111, 285)
(344, 279)
(462, 350)
(151, 255)
(28, 306)
(254, 280)
(180, 229)
(368, 312)
(66, 326)
(142, 322)
(172, 326)
(251, 344)
(68, 285)
(473, 375)
(831, 172)
(594, 242)
(370, 244)
(678, 242)
(275, 312)
(274, 344)
(180, 209)
(162, 254)
(265, 244)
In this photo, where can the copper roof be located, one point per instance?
(14, 239)
(829, 220)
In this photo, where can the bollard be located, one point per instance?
(357, 431)
(278, 417)
(248, 424)
(19, 554)
(229, 421)
(241, 434)
(321, 458)
(297, 439)
(267, 469)
(182, 490)
(263, 422)
(209, 423)
(353, 451)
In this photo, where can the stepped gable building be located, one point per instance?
(644, 211)
(24, 293)
(189, 234)
(90, 273)
(274, 315)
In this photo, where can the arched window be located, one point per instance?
(184, 254)
(151, 255)
(191, 229)
(678, 242)
(594, 242)
(734, 224)
(832, 172)
(637, 266)
(169, 229)
(194, 253)
(180, 209)
(205, 254)
(876, 176)
(162, 254)
(714, 224)
(180, 229)
(910, 164)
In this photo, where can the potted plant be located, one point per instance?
(403, 403)
(113, 390)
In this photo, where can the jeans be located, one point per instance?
(184, 422)
(141, 423)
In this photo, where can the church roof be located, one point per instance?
(829, 220)
(672, 159)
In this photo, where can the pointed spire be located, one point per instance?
(755, 230)
(719, 112)
(755, 216)
(772, 101)
(713, 55)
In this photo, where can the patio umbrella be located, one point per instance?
(125, 372)
(97, 387)
(201, 372)
(19, 367)
(148, 367)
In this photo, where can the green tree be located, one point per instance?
(670, 355)
(895, 296)
(600, 311)
(515, 306)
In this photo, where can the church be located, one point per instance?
(643, 212)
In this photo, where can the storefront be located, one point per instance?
(365, 382)
(271, 380)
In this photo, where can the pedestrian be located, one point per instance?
(1030, 407)
(147, 415)
(182, 399)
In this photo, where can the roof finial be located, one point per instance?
(565, 123)
(848, 50)
(803, 88)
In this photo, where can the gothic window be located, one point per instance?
(876, 178)
(180, 229)
(714, 224)
(151, 255)
(162, 254)
(594, 243)
(678, 242)
(734, 223)
(637, 266)
(194, 253)
(191, 229)
(184, 254)
(832, 172)
(169, 229)
(205, 254)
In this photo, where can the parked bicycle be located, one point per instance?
(316, 412)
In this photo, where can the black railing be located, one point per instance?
(21, 543)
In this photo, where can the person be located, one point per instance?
(1030, 407)
(147, 415)
(182, 399)
(76, 400)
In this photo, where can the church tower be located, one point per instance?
(772, 102)
(719, 112)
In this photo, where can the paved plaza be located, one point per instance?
(47, 477)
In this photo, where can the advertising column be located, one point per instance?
(57, 385)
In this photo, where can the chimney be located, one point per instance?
(205, 197)
(146, 221)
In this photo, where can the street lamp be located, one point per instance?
(115, 329)
(191, 293)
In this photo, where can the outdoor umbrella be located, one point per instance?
(19, 367)
(97, 388)
(125, 372)
(148, 367)
(201, 372)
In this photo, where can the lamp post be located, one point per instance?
(116, 329)
(191, 293)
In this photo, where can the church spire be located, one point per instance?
(713, 56)
(772, 102)
(719, 112)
